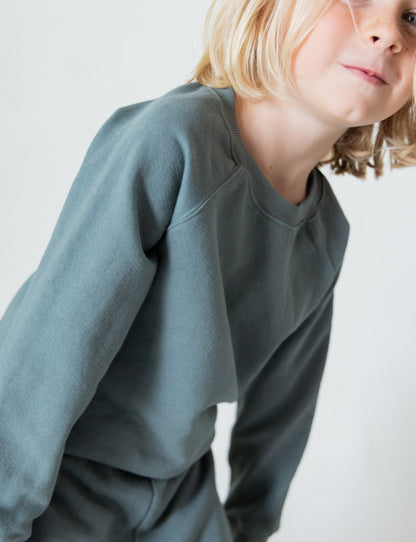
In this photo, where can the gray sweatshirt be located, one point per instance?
(176, 278)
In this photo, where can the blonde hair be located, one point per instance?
(249, 45)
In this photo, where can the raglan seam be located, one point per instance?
(323, 247)
(195, 210)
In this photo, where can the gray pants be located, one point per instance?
(96, 503)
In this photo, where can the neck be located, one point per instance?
(285, 142)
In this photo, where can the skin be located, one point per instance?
(333, 95)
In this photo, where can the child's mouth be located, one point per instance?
(366, 74)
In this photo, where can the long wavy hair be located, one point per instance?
(249, 45)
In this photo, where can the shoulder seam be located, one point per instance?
(230, 139)
(335, 268)
(199, 206)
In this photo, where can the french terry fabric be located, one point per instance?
(176, 278)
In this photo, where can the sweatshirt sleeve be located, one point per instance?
(67, 322)
(273, 422)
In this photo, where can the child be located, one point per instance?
(194, 263)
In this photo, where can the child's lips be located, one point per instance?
(367, 74)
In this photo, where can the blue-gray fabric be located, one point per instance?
(176, 278)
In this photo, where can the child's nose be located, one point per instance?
(382, 32)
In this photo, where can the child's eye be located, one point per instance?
(409, 18)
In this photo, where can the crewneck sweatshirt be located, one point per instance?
(176, 278)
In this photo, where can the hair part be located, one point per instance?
(249, 45)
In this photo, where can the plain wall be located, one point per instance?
(63, 70)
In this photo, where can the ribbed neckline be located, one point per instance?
(268, 198)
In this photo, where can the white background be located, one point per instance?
(64, 68)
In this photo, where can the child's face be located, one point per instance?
(335, 68)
